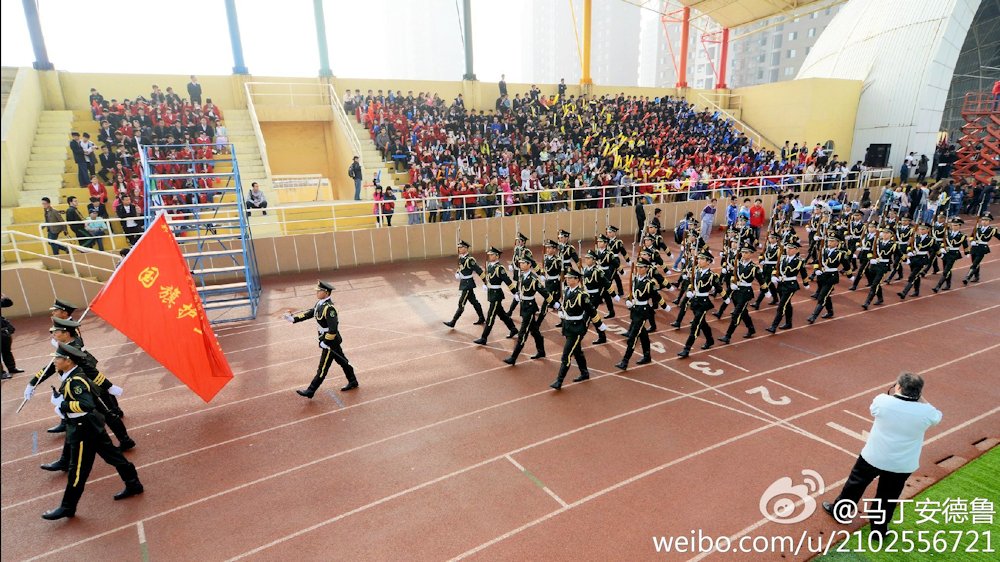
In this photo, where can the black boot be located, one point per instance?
(539, 355)
(645, 360)
(601, 338)
(56, 466)
(58, 513)
(61, 428)
(450, 323)
(623, 364)
(479, 322)
(749, 334)
(557, 384)
(584, 375)
(725, 338)
(771, 329)
(311, 390)
(708, 344)
(480, 341)
(132, 488)
(684, 352)
(126, 444)
(811, 318)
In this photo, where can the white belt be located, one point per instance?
(567, 261)
(592, 291)
(769, 262)
(465, 276)
(640, 303)
(494, 286)
(879, 261)
(72, 415)
(829, 270)
(955, 249)
(979, 242)
(322, 330)
(602, 268)
(792, 278)
(526, 297)
(745, 284)
(921, 253)
(551, 277)
(700, 294)
(580, 317)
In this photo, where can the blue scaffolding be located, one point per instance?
(205, 210)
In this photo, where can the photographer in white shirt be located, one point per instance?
(891, 453)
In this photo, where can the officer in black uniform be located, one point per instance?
(866, 245)
(919, 252)
(831, 260)
(75, 401)
(528, 287)
(466, 277)
(521, 250)
(567, 253)
(955, 241)
(904, 233)
(940, 230)
(879, 265)
(855, 231)
(747, 271)
(598, 288)
(62, 309)
(330, 340)
(552, 270)
(608, 263)
(639, 303)
(786, 274)
(768, 261)
(576, 312)
(617, 248)
(979, 246)
(704, 284)
(494, 279)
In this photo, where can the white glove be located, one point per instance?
(57, 411)
(673, 288)
(689, 294)
(628, 304)
(458, 277)
(774, 279)
(603, 327)
(616, 298)
(734, 286)
(116, 390)
(909, 254)
(288, 316)
(323, 345)
(510, 268)
(770, 295)
(727, 301)
(556, 305)
(29, 391)
(667, 308)
(724, 270)
(517, 297)
(54, 343)
(562, 315)
(56, 400)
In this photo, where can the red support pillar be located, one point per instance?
(685, 36)
(723, 55)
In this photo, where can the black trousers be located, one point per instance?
(785, 293)
(329, 355)
(862, 271)
(82, 451)
(467, 296)
(572, 349)
(827, 281)
(6, 340)
(876, 274)
(637, 331)
(699, 326)
(948, 262)
(977, 259)
(767, 272)
(890, 485)
(530, 320)
(496, 310)
(918, 267)
(741, 300)
(617, 278)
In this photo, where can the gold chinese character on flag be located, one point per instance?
(148, 276)
(168, 295)
(187, 310)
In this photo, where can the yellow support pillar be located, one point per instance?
(586, 80)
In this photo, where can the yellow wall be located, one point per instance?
(20, 119)
(811, 110)
(305, 147)
(225, 91)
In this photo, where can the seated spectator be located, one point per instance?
(97, 206)
(256, 199)
(97, 189)
(97, 229)
(132, 222)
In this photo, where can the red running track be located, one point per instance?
(445, 452)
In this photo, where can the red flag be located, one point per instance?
(152, 299)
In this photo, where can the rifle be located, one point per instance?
(51, 361)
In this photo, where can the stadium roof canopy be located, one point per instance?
(734, 13)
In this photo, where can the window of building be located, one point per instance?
(774, 75)
(777, 41)
(760, 75)
(812, 32)
(789, 70)
(814, 15)
(791, 53)
(776, 58)
(762, 42)
(793, 35)
(761, 58)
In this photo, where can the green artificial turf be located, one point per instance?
(978, 479)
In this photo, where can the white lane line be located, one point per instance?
(721, 360)
(536, 481)
(793, 389)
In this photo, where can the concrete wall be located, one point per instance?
(20, 120)
(33, 290)
(296, 146)
(225, 91)
(811, 110)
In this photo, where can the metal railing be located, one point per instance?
(293, 181)
(71, 259)
(117, 240)
(345, 122)
(255, 123)
(758, 140)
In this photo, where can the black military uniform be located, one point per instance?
(466, 277)
(768, 261)
(920, 252)
(940, 231)
(76, 402)
(703, 286)
(577, 310)
(831, 260)
(598, 288)
(330, 340)
(979, 246)
(903, 233)
(7, 333)
(730, 257)
(864, 253)
(567, 253)
(789, 269)
(640, 307)
(617, 248)
(528, 286)
(855, 232)
(494, 279)
(62, 310)
(608, 263)
(552, 271)
(746, 273)
(878, 268)
(955, 241)
(521, 250)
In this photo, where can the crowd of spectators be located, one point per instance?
(542, 153)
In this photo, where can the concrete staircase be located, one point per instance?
(239, 128)
(372, 161)
(7, 75)
(47, 165)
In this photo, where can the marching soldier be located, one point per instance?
(768, 261)
(76, 401)
(831, 260)
(598, 288)
(980, 245)
(904, 233)
(608, 263)
(567, 253)
(638, 304)
(747, 271)
(575, 313)
(521, 250)
(653, 232)
(864, 253)
(704, 284)
(62, 310)
(617, 248)
(879, 264)
(855, 232)
(940, 231)
(955, 241)
(730, 257)
(330, 340)
(552, 270)
(919, 253)
(786, 275)
(465, 275)
(528, 286)
(494, 279)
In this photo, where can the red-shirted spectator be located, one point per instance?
(97, 189)
(757, 217)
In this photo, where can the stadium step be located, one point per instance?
(217, 270)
